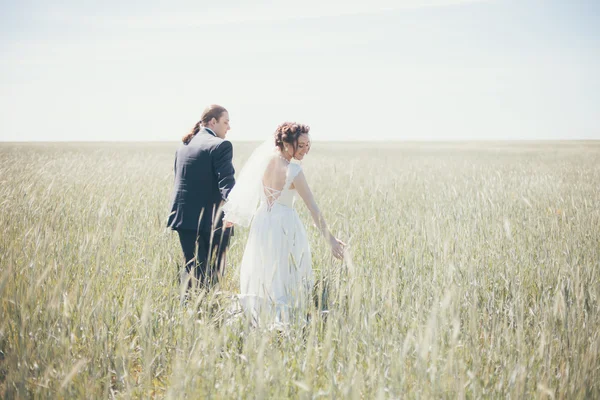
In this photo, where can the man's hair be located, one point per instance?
(210, 112)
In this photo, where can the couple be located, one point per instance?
(275, 273)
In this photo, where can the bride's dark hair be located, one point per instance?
(289, 132)
(210, 112)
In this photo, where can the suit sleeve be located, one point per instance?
(223, 167)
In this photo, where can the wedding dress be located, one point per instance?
(275, 274)
(276, 277)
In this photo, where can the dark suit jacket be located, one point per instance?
(204, 176)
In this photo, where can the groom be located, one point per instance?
(204, 176)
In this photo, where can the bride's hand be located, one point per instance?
(337, 247)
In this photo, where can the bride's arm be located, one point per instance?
(301, 186)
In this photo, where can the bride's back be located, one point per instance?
(275, 175)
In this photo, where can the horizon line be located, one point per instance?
(317, 141)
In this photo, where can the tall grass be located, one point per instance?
(473, 271)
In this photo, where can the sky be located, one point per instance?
(429, 70)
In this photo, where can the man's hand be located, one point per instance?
(228, 224)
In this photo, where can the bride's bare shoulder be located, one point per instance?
(276, 171)
(276, 164)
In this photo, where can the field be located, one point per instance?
(473, 271)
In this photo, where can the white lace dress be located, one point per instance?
(276, 277)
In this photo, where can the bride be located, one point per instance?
(276, 274)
